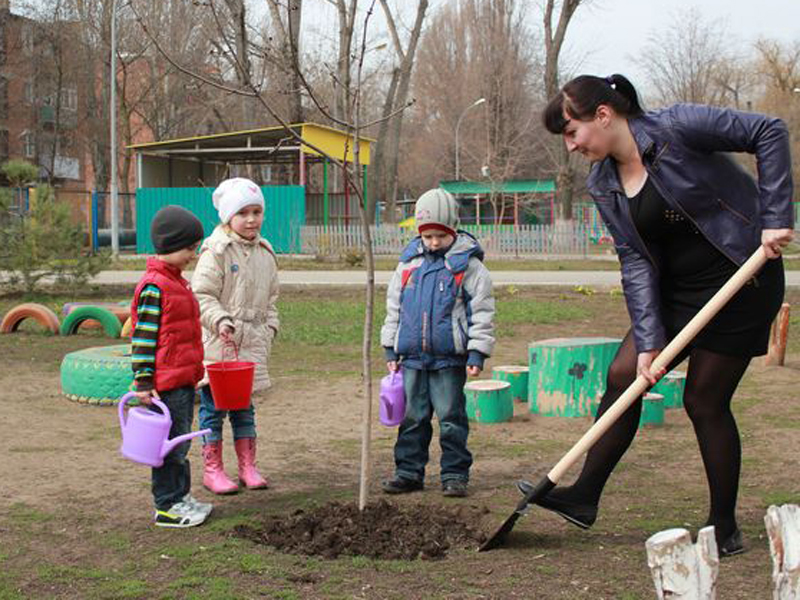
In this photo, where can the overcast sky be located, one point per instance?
(608, 33)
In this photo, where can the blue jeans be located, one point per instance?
(173, 480)
(243, 422)
(440, 391)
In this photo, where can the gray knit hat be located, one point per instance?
(437, 209)
(174, 228)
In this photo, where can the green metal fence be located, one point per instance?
(284, 213)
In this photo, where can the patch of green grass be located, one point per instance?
(64, 573)
(9, 592)
(784, 421)
(515, 310)
(114, 540)
(205, 587)
(285, 594)
(22, 514)
(229, 522)
(348, 447)
(779, 497)
(124, 588)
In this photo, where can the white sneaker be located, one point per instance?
(181, 514)
(205, 507)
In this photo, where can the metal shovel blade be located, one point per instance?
(499, 537)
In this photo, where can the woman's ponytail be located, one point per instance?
(581, 96)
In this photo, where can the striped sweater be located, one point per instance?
(145, 338)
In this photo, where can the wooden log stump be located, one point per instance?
(783, 529)
(517, 377)
(776, 355)
(489, 401)
(567, 376)
(682, 570)
(671, 386)
(652, 411)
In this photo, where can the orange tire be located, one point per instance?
(41, 314)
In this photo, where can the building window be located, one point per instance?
(3, 96)
(27, 40)
(3, 145)
(69, 99)
(28, 144)
(29, 92)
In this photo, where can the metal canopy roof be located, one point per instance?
(520, 186)
(265, 145)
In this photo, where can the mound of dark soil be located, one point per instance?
(382, 530)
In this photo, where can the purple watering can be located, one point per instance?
(145, 432)
(393, 399)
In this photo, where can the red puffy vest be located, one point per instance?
(179, 353)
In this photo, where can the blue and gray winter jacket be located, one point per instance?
(439, 307)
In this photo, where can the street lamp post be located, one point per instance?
(477, 102)
(114, 191)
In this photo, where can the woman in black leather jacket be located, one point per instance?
(684, 216)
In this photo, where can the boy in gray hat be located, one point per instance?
(167, 356)
(439, 326)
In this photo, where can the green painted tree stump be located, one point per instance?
(567, 376)
(671, 386)
(517, 377)
(652, 410)
(489, 401)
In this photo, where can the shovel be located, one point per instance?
(746, 272)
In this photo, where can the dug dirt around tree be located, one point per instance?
(382, 530)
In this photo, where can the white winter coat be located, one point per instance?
(236, 281)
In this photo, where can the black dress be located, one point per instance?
(691, 270)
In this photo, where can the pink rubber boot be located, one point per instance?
(214, 477)
(248, 475)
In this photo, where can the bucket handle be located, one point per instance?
(230, 346)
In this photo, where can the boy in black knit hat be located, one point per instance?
(167, 355)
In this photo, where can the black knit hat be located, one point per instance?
(174, 228)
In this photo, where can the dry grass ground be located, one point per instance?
(75, 518)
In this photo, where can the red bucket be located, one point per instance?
(231, 383)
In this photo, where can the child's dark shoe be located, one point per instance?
(401, 485)
(454, 488)
(557, 500)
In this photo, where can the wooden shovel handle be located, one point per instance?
(746, 272)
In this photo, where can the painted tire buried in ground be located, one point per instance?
(107, 319)
(41, 314)
(98, 375)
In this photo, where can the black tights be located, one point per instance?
(710, 383)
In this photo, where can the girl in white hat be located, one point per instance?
(236, 284)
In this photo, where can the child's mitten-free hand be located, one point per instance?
(473, 370)
(226, 331)
(146, 397)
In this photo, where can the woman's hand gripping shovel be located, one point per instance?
(746, 272)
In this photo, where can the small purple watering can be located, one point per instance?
(393, 399)
(145, 432)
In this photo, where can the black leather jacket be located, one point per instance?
(682, 148)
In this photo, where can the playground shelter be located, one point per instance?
(185, 171)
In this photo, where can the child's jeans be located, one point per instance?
(243, 422)
(173, 480)
(441, 391)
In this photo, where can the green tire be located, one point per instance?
(99, 375)
(108, 320)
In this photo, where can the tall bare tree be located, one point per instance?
(555, 32)
(478, 49)
(778, 67)
(285, 64)
(385, 163)
(687, 59)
